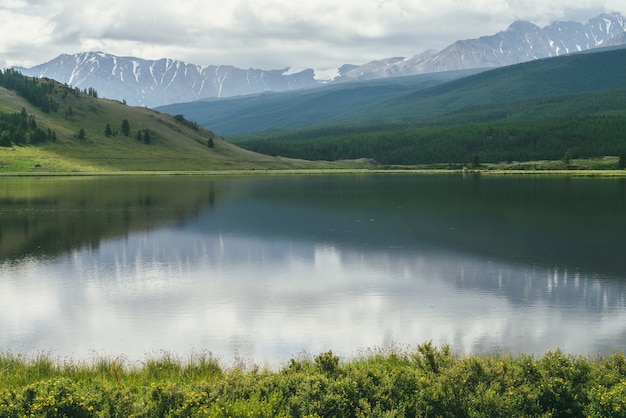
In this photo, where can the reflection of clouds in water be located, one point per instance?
(235, 294)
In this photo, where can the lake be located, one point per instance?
(266, 268)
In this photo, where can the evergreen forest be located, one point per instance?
(573, 105)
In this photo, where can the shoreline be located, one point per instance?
(318, 171)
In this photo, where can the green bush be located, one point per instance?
(428, 381)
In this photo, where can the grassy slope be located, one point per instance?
(174, 146)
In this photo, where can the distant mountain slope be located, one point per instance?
(239, 115)
(409, 100)
(522, 41)
(152, 83)
(595, 70)
(537, 110)
(582, 125)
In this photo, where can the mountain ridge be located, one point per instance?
(150, 83)
(522, 41)
(153, 83)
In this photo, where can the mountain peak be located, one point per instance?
(153, 83)
(522, 41)
(522, 26)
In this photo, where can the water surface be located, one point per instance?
(266, 268)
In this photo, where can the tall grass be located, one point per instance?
(425, 381)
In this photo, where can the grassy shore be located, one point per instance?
(47, 160)
(321, 171)
(427, 381)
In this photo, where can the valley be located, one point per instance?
(193, 240)
(549, 98)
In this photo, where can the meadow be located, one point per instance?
(427, 381)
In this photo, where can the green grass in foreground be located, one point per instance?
(428, 381)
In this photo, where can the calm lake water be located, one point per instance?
(267, 268)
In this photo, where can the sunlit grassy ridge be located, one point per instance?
(427, 381)
(175, 144)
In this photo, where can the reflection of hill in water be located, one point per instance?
(337, 261)
(545, 221)
(50, 216)
(568, 224)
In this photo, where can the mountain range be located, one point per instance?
(153, 83)
(397, 102)
(522, 41)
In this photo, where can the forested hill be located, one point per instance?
(324, 105)
(407, 99)
(48, 126)
(584, 72)
(573, 105)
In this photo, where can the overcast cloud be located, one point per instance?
(266, 34)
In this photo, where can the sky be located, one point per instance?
(265, 34)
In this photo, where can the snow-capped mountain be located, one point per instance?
(154, 83)
(165, 81)
(521, 41)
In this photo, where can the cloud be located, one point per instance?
(265, 33)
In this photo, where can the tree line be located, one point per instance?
(505, 140)
(20, 128)
(37, 92)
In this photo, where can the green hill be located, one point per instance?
(601, 70)
(544, 109)
(585, 125)
(49, 127)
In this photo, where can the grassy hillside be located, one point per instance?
(174, 143)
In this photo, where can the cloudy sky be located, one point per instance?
(266, 34)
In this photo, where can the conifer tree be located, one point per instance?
(125, 127)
